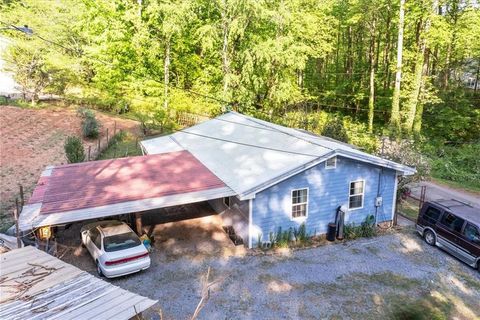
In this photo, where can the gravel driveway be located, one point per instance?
(389, 276)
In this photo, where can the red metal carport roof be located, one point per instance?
(100, 183)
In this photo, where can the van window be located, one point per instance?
(471, 233)
(432, 214)
(453, 222)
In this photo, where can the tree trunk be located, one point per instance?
(415, 113)
(225, 60)
(166, 70)
(395, 115)
(140, 7)
(411, 105)
(371, 99)
(476, 78)
(417, 123)
(386, 56)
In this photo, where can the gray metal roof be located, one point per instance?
(36, 285)
(249, 154)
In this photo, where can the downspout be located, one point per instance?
(250, 224)
(380, 173)
(394, 204)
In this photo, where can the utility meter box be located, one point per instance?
(378, 201)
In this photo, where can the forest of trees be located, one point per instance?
(404, 68)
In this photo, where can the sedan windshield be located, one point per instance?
(121, 242)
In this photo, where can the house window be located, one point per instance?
(357, 189)
(331, 163)
(226, 201)
(299, 203)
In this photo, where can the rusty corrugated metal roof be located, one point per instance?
(106, 182)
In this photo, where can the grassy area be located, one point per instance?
(409, 208)
(122, 145)
(458, 185)
(457, 166)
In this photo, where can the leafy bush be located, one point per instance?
(74, 150)
(366, 229)
(90, 128)
(457, 163)
(301, 233)
(90, 125)
(409, 154)
(335, 130)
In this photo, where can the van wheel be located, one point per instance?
(99, 270)
(429, 237)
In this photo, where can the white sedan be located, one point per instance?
(115, 248)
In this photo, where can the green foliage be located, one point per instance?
(334, 129)
(90, 125)
(457, 163)
(74, 150)
(300, 234)
(284, 238)
(366, 229)
(122, 144)
(408, 153)
(302, 63)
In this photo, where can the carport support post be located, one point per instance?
(138, 223)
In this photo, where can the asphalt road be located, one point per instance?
(436, 192)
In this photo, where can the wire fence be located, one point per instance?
(409, 205)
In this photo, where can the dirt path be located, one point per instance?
(437, 191)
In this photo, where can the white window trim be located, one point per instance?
(226, 205)
(291, 205)
(331, 167)
(362, 194)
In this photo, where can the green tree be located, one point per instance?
(74, 150)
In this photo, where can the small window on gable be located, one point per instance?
(357, 191)
(331, 163)
(226, 201)
(299, 203)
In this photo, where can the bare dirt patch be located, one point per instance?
(31, 139)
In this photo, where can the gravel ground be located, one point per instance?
(364, 279)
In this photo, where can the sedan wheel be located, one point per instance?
(99, 270)
(429, 237)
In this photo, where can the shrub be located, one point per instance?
(366, 229)
(90, 125)
(301, 233)
(74, 150)
(335, 130)
(90, 128)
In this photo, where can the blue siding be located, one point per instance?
(328, 189)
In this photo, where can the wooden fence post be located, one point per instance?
(89, 152)
(98, 148)
(114, 127)
(22, 198)
(107, 137)
(16, 214)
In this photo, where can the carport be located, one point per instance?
(134, 185)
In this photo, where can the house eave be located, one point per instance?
(399, 168)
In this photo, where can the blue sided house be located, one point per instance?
(285, 177)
